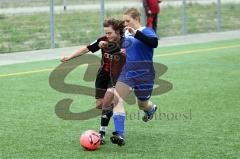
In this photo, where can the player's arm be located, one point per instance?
(79, 52)
(93, 47)
(151, 41)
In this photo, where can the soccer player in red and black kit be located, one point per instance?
(113, 58)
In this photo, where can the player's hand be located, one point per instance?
(123, 51)
(149, 12)
(103, 44)
(64, 59)
(131, 30)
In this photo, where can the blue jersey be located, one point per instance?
(137, 50)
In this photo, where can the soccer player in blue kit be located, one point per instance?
(137, 74)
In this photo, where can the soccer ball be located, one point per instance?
(90, 140)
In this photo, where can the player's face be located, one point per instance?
(111, 34)
(129, 21)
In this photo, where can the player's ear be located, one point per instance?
(138, 19)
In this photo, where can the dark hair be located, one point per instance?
(117, 25)
(133, 12)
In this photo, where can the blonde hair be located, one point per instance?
(133, 12)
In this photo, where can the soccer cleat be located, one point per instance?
(117, 139)
(149, 115)
(102, 140)
(102, 137)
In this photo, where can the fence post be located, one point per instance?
(102, 15)
(64, 5)
(52, 24)
(143, 16)
(184, 30)
(219, 16)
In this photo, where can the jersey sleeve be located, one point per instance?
(147, 38)
(93, 47)
(149, 32)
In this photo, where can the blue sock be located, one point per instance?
(119, 118)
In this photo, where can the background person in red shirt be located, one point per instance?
(151, 10)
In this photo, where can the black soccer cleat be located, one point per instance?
(149, 115)
(102, 138)
(117, 139)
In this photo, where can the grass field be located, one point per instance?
(206, 90)
(29, 32)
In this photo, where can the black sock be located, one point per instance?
(105, 119)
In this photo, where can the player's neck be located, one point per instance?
(137, 26)
(118, 40)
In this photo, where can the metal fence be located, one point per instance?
(42, 24)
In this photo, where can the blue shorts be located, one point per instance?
(139, 76)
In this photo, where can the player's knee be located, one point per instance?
(118, 100)
(99, 103)
(110, 90)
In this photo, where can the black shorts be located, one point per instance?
(102, 83)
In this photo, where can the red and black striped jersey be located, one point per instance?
(116, 61)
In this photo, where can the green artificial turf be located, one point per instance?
(198, 118)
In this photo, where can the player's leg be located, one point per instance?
(99, 103)
(143, 93)
(101, 84)
(122, 90)
(149, 21)
(107, 112)
(103, 125)
(148, 108)
(154, 22)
